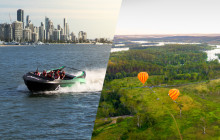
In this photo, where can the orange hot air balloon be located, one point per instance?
(174, 93)
(143, 76)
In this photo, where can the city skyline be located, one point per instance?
(82, 15)
(168, 17)
(16, 31)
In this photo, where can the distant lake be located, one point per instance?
(211, 54)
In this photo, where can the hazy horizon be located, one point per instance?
(168, 17)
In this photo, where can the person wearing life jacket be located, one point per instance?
(44, 73)
(62, 75)
(56, 75)
(50, 74)
(37, 72)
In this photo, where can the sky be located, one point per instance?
(96, 17)
(139, 17)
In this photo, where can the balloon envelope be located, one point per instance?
(143, 76)
(174, 93)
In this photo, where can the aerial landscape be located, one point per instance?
(130, 110)
(163, 74)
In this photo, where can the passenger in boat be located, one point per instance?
(50, 75)
(37, 72)
(44, 73)
(62, 75)
(57, 75)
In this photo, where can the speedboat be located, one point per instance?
(37, 83)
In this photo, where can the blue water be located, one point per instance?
(65, 114)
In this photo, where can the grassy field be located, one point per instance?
(152, 112)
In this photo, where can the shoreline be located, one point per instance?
(2, 45)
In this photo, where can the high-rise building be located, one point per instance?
(61, 31)
(27, 20)
(2, 31)
(58, 27)
(41, 32)
(64, 26)
(46, 27)
(34, 37)
(27, 34)
(67, 29)
(50, 30)
(82, 36)
(63, 37)
(17, 30)
(56, 35)
(8, 33)
(73, 37)
(31, 26)
(20, 16)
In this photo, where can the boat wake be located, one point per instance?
(94, 83)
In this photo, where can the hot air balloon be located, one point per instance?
(174, 93)
(143, 76)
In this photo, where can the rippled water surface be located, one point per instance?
(65, 114)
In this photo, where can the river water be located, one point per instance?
(211, 53)
(65, 114)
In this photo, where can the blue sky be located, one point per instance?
(97, 17)
(169, 17)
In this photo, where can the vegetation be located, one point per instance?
(218, 54)
(127, 110)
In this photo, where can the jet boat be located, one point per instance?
(37, 83)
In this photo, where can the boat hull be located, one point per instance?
(37, 83)
(36, 86)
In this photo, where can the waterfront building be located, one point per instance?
(82, 36)
(46, 27)
(41, 32)
(49, 31)
(62, 31)
(8, 35)
(27, 20)
(63, 38)
(58, 27)
(17, 30)
(31, 26)
(73, 37)
(56, 35)
(27, 34)
(34, 37)
(2, 31)
(20, 16)
(67, 30)
(64, 26)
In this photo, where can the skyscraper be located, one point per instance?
(41, 32)
(8, 32)
(20, 16)
(27, 20)
(47, 27)
(82, 36)
(64, 26)
(67, 29)
(27, 34)
(17, 31)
